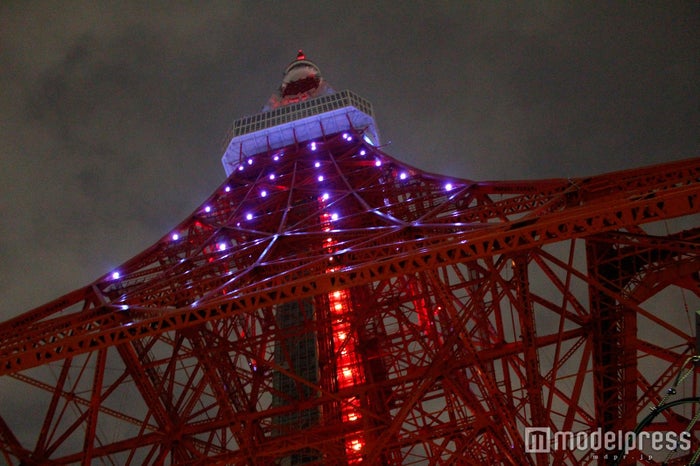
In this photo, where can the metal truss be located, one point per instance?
(444, 316)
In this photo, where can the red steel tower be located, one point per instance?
(330, 304)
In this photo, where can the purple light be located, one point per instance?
(317, 164)
(325, 196)
(276, 158)
(378, 163)
(227, 189)
(313, 146)
(272, 176)
(207, 209)
(363, 152)
(250, 161)
(116, 275)
(334, 217)
(175, 236)
(263, 193)
(222, 247)
(249, 217)
(320, 177)
(240, 168)
(448, 187)
(345, 135)
(403, 175)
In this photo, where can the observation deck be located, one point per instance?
(299, 122)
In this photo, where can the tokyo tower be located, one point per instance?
(331, 304)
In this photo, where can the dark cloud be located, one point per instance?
(114, 116)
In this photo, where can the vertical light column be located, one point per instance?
(348, 366)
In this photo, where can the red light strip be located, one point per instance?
(349, 371)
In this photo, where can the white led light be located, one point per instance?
(116, 275)
(334, 217)
(320, 177)
(378, 163)
(175, 236)
(249, 217)
(222, 247)
(276, 158)
(317, 164)
(403, 175)
(313, 146)
(272, 176)
(263, 193)
(325, 196)
(207, 209)
(240, 168)
(363, 152)
(448, 187)
(250, 161)
(227, 189)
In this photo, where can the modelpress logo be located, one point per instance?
(543, 440)
(538, 440)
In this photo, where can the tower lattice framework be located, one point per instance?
(330, 304)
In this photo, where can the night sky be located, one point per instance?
(114, 118)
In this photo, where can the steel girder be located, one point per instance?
(478, 309)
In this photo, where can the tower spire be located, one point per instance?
(302, 80)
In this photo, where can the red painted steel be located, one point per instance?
(447, 319)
